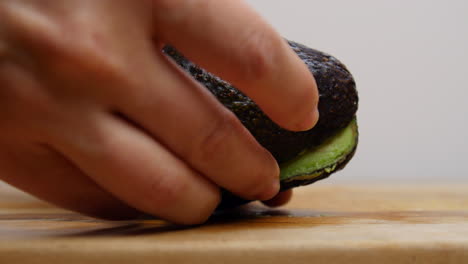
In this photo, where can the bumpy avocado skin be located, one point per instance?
(337, 106)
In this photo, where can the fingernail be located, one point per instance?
(309, 122)
(270, 191)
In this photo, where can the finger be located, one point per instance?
(280, 199)
(47, 175)
(231, 40)
(136, 169)
(185, 116)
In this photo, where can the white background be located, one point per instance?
(410, 62)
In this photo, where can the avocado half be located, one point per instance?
(304, 157)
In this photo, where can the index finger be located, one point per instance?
(229, 39)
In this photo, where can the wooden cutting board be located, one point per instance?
(323, 224)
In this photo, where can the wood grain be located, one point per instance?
(323, 224)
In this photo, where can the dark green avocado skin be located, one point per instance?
(338, 102)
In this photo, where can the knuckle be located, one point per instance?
(88, 55)
(29, 28)
(66, 46)
(21, 98)
(259, 54)
(212, 142)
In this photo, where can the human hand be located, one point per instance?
(96, 119)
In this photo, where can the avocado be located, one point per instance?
(307, 156)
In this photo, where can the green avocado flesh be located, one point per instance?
(322, 159)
